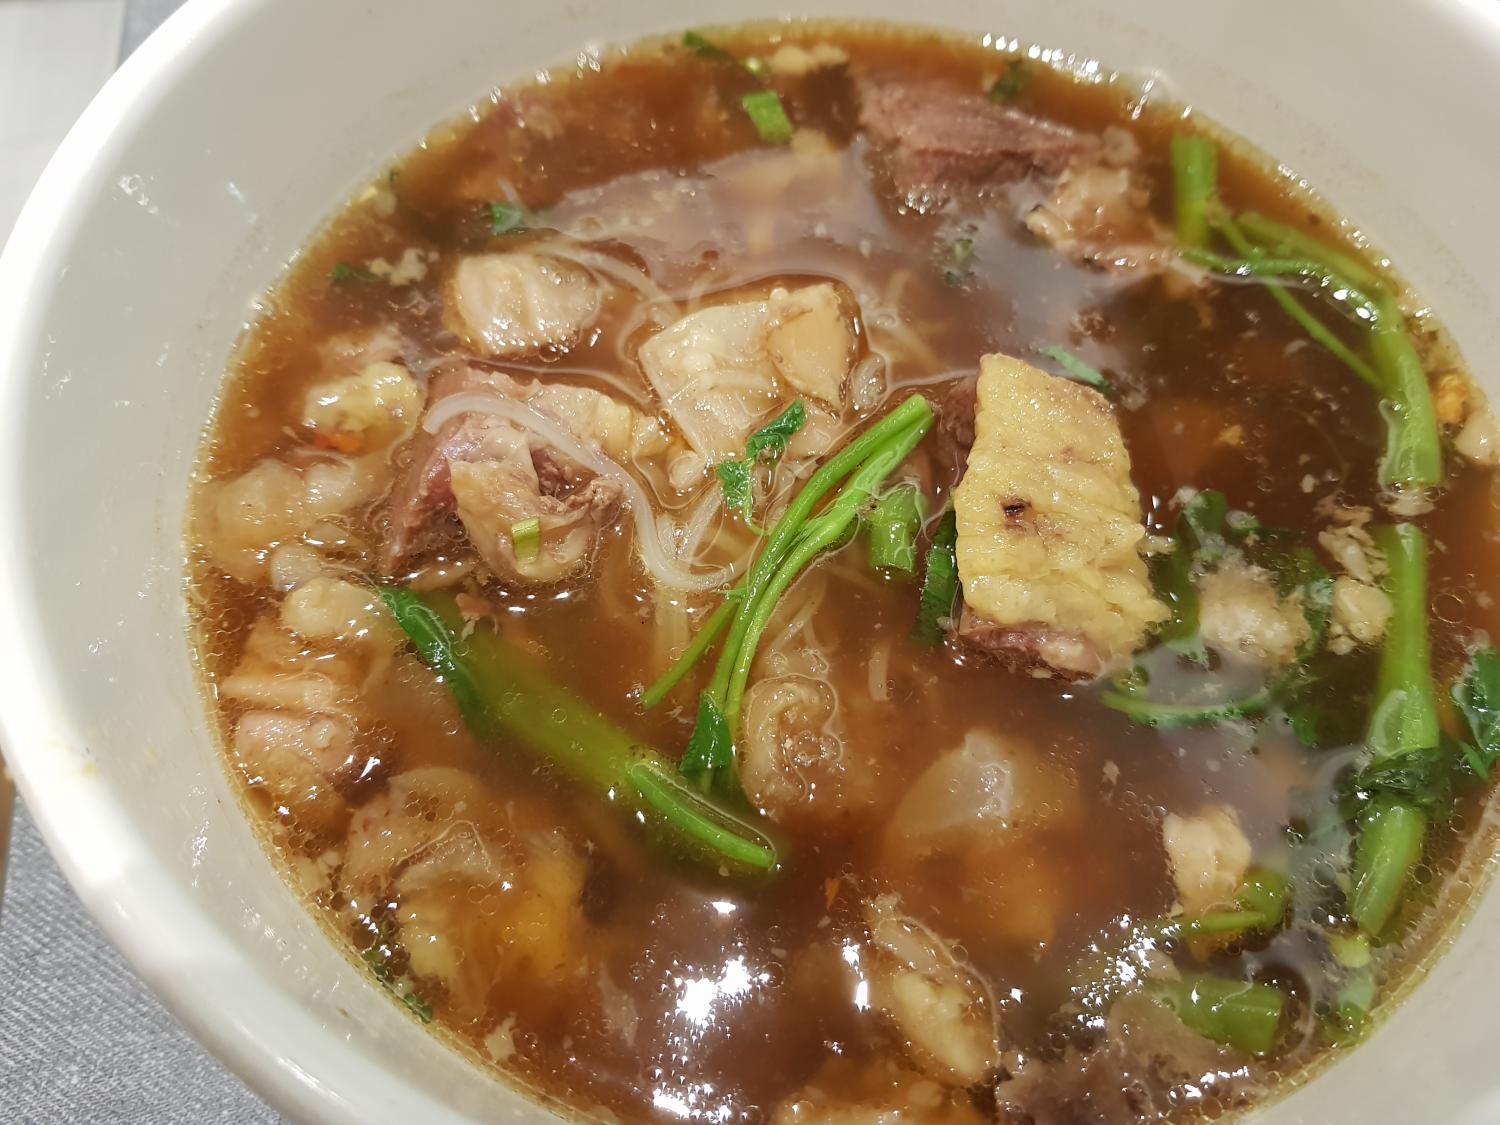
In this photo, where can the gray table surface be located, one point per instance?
(81, 1039)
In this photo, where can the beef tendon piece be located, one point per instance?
(1049, 528)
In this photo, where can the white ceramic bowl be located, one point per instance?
(196, 175)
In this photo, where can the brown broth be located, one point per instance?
(736, 988)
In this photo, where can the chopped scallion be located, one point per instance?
(526, 538)
(1012, 84)
(1075, 369)
(768, 116)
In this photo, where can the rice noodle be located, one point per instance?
(663, 568)
(897, 332)
(799, 609)
(609, 266)
(629, 389)
(696, 526)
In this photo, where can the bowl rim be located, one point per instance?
(79, 819)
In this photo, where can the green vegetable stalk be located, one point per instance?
(939, 582)
(1239, 1014)
(798, 537)
(1260, 906)
(1314, 327)
(1403, 727)
(1283, 240)
(780, 540)
(503, 697)
(1194, 172)
(895, 521)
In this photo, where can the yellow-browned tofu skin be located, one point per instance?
(1049, 528)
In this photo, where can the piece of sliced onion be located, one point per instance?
(654, 557)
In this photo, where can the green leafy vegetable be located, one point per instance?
(504, 699)
(939, 582)
(799, 536)
(1194, 182)
(1075, 369)
(702, 641)
(1334, 285)
(378, 958)
(343, 273)
(1284, 241)
(1420, 777)
(737, 480)
(1260, 906)
(507, 218)
(820, 533)
(1352, 951)
(704, 47)
(1386, 850)
(1413, 456)
(895, 522)
(1314, 327)
(1158, 713)
(1199, 542)
(1205, 533)
(1351, 1013)
(421, 1007)
(767, 115)
(526, 538)
(1477, 694)
(1403, 735)
(1239, 1014)
(766, 444)
(770, 441)
(733, 614)
(1413, 448)
(1012, 83)
(1405, 716)
(710, 750)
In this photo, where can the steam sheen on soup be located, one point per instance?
(821, 573)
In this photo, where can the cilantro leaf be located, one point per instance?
(1477, 694)
(1078, 371)
(706, 48)
(421, 1007)
(772, 438)
(507, 218)
(739, 488)
(1200, 543)
(1012, 83)
(343, 273)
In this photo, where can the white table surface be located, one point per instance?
(81, 1039)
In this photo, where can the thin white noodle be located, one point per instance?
(629, 389)
(609, 266)
(801, 617)
(899, 333)
(654, 557)
(697, 525)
